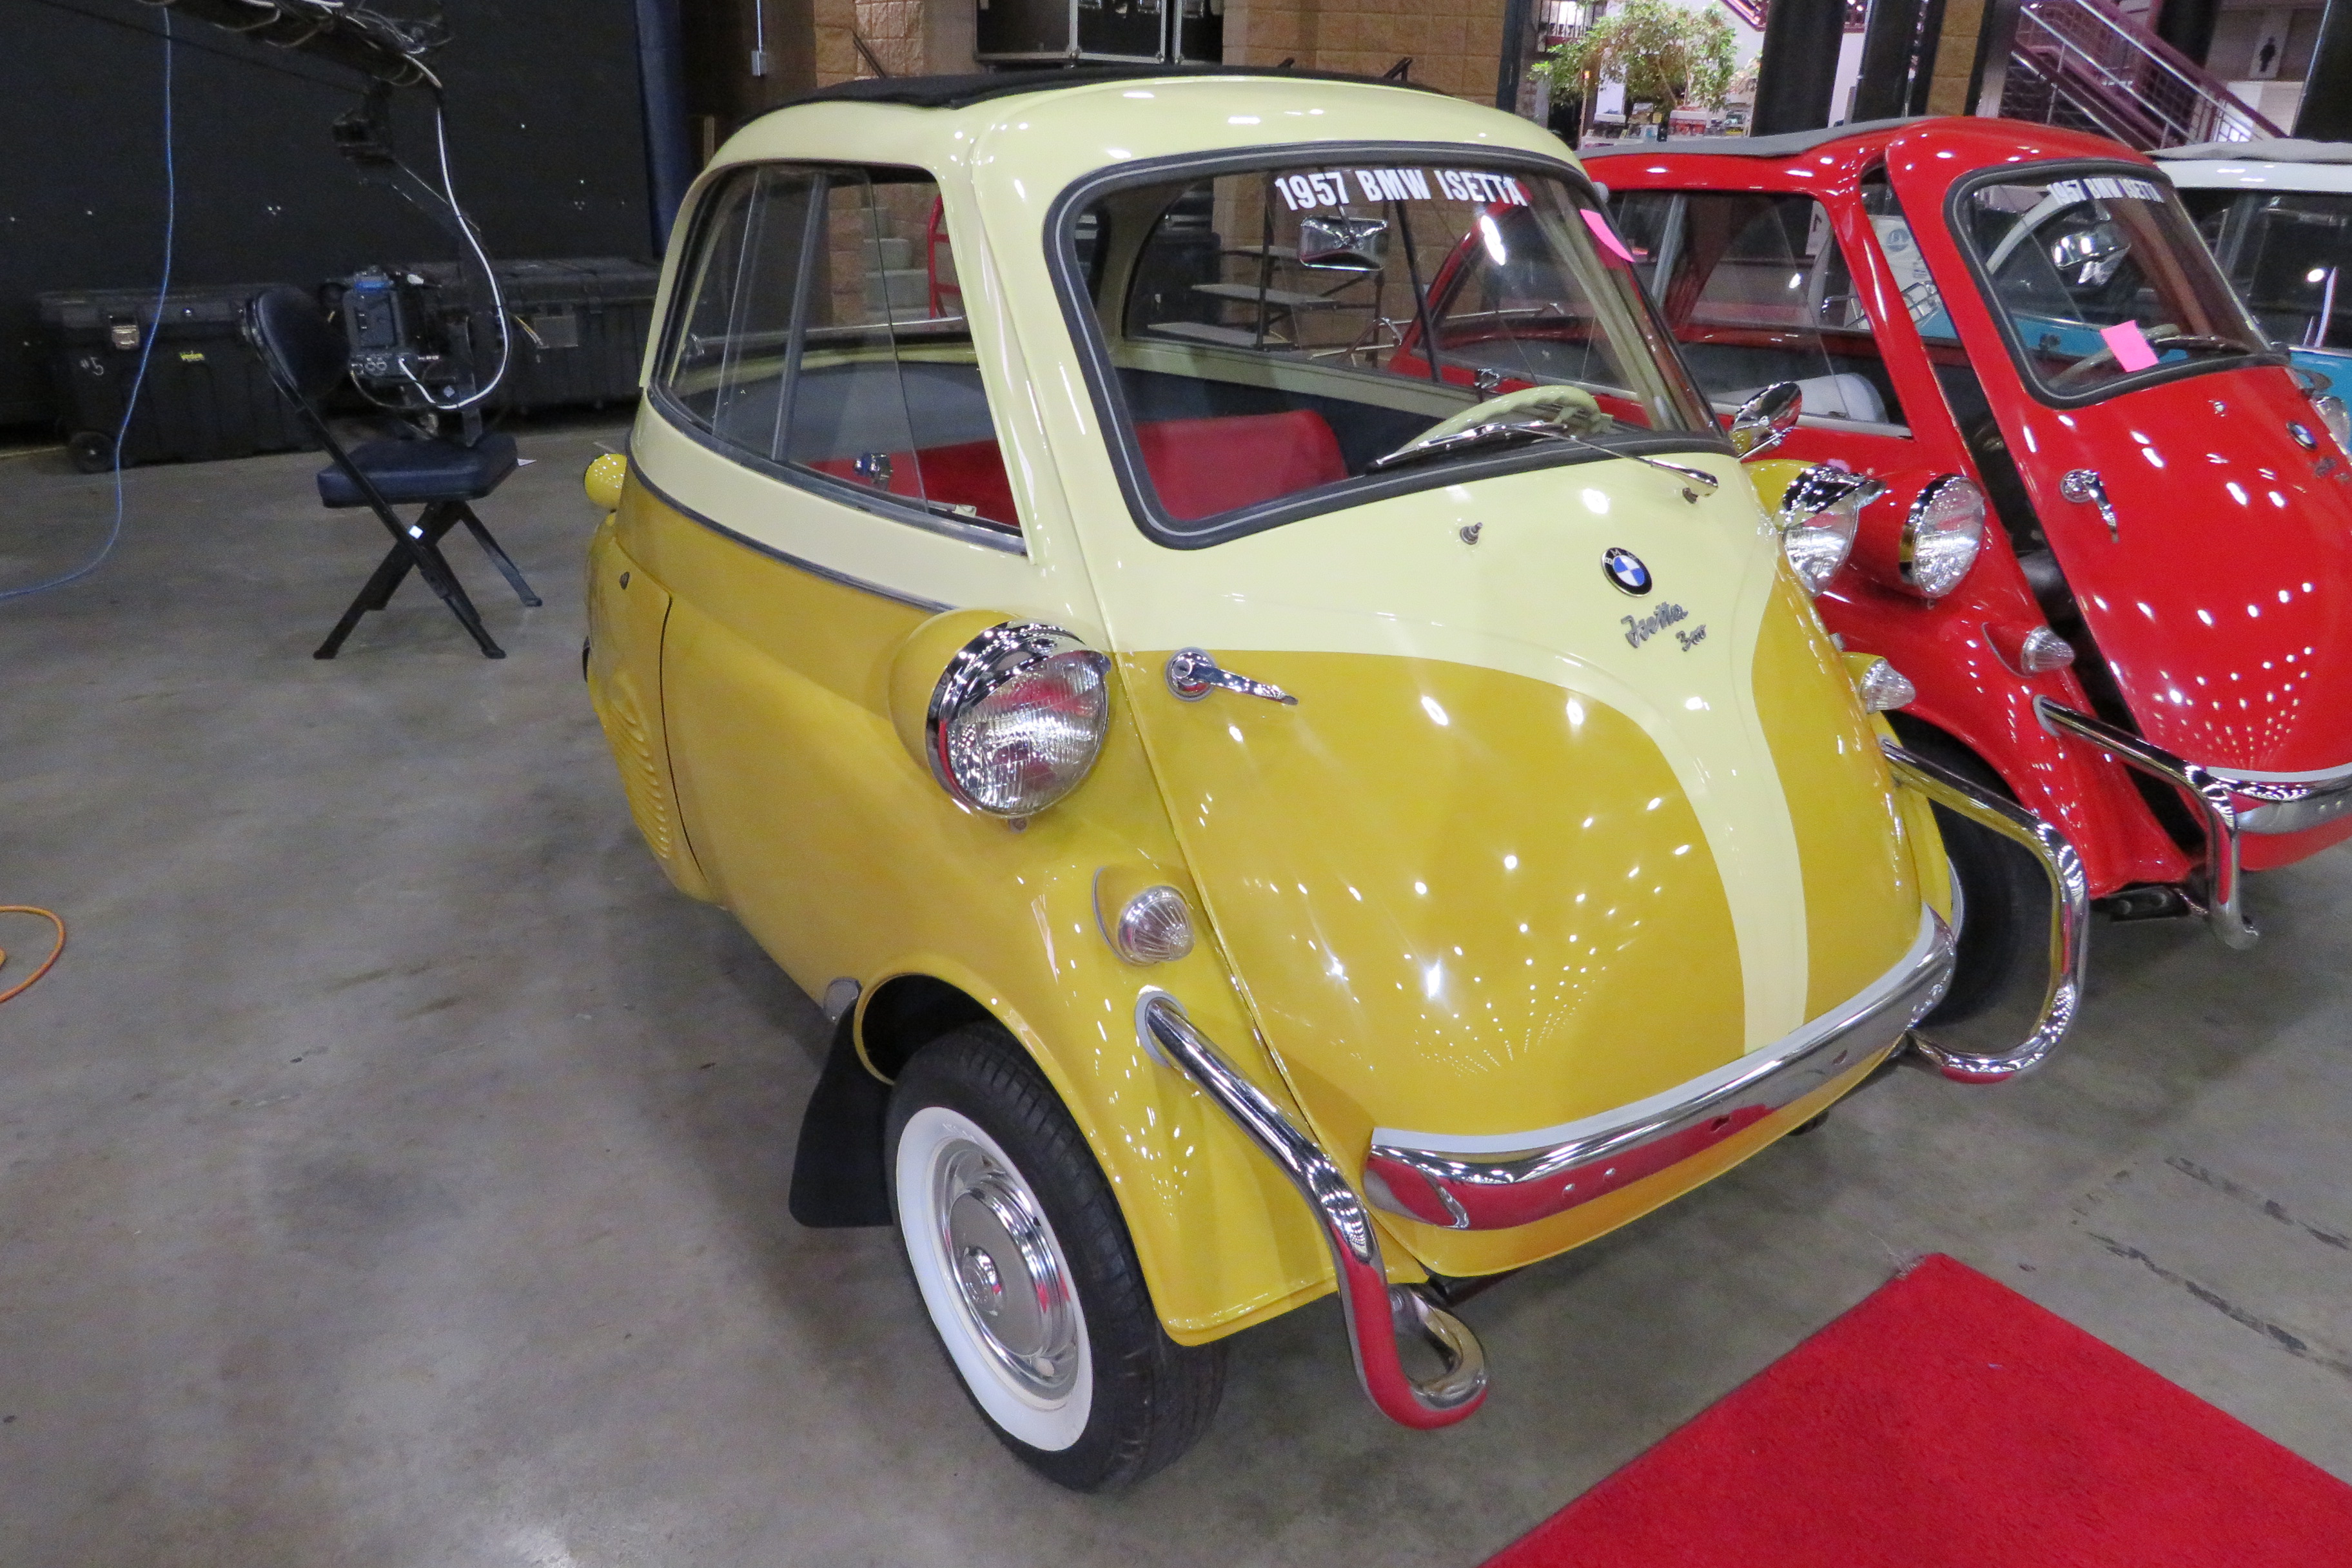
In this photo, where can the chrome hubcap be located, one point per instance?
(1007, 1278)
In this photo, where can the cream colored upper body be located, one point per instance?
(1503, 867)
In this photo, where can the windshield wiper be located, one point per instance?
(1501, 431)
(1477, 436)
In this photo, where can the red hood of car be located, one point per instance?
(2222, 601)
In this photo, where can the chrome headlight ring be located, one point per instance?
(1017, 719)
(1942, 535)
(1821, 513)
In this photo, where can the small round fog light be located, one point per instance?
(2044, 650)
(1884, 686)
(1155, 928)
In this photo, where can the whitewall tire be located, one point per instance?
(994, 1278)
(1027, 1272)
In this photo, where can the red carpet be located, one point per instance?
(1949, 1420)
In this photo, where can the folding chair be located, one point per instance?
(306, 357)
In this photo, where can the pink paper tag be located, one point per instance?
(2129, 345)
(1607, 237)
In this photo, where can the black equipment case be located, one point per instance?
(578, 325)
(207, 394)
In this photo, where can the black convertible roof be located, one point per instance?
(977, 86)
(1780, 146)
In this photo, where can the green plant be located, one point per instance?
(1664, 55)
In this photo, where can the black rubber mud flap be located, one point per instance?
(837, 1176)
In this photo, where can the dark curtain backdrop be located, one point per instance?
(546, 138)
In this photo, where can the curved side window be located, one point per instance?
(2287, 252)
(820, 334)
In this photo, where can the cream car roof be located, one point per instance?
(1047, 139)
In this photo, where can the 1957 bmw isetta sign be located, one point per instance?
(1267, 816)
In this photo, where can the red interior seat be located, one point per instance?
(1203, 466)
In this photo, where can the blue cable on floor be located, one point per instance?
(162, 292)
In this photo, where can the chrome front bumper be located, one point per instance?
(2281, 802)
(1495, 1183)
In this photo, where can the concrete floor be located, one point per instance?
(393, 1172)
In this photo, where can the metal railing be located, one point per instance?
(2086, 65)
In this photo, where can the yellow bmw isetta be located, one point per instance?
(1266, 813)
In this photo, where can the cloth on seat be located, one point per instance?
(1203, 466)
(422, 470)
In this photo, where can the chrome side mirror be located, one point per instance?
(1765, 420)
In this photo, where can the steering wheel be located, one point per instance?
(2165, 332)
(1572, 409)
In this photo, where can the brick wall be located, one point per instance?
(1457, 48)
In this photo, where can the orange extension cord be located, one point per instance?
(26, 984)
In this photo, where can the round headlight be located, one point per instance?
(2336, 417)
(1819, 515)
(1017, 719)
(1942, 535)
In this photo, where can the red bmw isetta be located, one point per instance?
(2151, 645)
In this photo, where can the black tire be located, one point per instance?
(1148, 1399)
(2004, 894)
(92, 451)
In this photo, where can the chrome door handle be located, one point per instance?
(2085, 485)
(1194, 673)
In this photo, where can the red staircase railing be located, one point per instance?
(2086, 65)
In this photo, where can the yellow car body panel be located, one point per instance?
(1432, 959)
(843, 857)
(1857, 893)
(766, 693)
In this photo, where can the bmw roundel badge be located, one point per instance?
(1625, 570)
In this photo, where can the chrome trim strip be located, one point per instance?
(1376, 1311)
(1702, 1090)
(2070, 917)
(2207, 793)
(773, 553)
(2318, 778)
(2297, 815)
(1462, 1190)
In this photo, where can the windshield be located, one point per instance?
(2099, 276)
(1279, 334)
(2287, 253)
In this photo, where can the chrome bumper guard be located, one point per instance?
(1376, 1311)
(2214, 797)
(1494, 1182)
(2070, 917)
